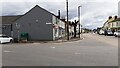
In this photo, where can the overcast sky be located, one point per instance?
(93, 12)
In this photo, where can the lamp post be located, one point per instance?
(67, 20)
(79, 21)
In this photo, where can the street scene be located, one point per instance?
(93, 50)
(59, 33)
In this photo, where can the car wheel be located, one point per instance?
(11, 41)
(115, 35)
(1, 42)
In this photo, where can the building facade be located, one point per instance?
(38, 23)
(112, 24)
(6, 24)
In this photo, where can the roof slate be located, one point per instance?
(9, 19)
(12, 19)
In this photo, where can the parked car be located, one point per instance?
(101, 32)
(108, 32)
(117, 33)
(5, 39)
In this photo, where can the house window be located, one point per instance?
(117, 24)
(56, 21)
(112, 24)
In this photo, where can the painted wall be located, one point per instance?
(55, 28)
(59, 30)
(34, 23)
(6, 29)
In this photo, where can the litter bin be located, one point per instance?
(24, 36)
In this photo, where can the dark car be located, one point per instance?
(108, 32)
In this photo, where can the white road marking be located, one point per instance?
(7, 51)
(53, 47)
(36, 43)
(58, 43)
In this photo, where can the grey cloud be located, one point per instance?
(96, 13)
(93, 12)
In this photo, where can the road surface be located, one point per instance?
(93, 50)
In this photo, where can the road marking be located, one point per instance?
(53, 47)
(36, 43)
(57, 43)
(7, 51)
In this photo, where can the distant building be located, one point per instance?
(39, 23)
(112, 24)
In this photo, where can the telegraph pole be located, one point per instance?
(67, 20)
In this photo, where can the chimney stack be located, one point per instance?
(115, 17)
(59, 14)
(110, 17)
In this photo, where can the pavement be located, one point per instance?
(93, 50)
(64, 39)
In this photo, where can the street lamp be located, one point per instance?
(67, 20)
(79, 21)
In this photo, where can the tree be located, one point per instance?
(74, 24)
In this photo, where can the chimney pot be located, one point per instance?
(115, 17)
(59, 14)
(110, 17)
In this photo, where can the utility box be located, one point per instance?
(24, 36)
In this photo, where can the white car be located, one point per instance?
(5, 39)
(117, 34)
(101, 32)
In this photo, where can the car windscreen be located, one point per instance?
(4, 36)
(108, 31)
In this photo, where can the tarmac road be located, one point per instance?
(93, 50)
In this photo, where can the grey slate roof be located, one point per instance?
(12, 19)
(9, 19)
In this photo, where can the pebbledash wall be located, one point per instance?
(39, 24)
